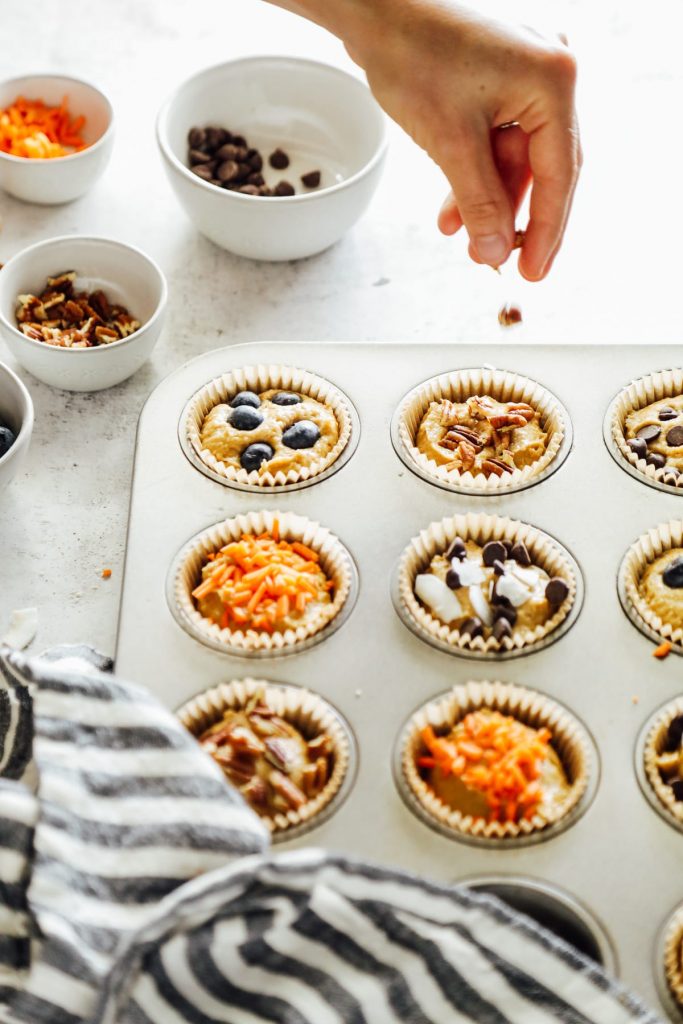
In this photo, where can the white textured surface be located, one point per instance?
(394, 277)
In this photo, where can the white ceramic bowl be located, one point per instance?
(322, 117)
(125, 274)
(61, 179)
(16, 412)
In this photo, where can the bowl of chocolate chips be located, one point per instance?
(273, 158)
(16, 424)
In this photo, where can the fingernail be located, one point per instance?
(492, 249)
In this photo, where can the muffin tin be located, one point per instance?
(620, 860)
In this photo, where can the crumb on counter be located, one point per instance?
(106, 573)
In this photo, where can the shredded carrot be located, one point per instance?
(106, 573)
(30, 128)
(663, 650)
(495, 754)
(261, 582)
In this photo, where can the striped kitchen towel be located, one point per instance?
(136, 888)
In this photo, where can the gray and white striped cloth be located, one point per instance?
(136, 887)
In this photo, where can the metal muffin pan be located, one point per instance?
(621, 860)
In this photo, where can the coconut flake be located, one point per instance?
(433, 592)
(469, 572)
(481, 605)
(511, 588)
(23, 626)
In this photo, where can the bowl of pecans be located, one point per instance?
(81, 313)
(273, 158)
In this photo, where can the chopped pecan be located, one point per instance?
(105, 335)
(507, 421)
(64, 281)
(256, 791)
(321, 744)
(519, 239)
(272, 726)
(458, 433)
(482, 407)
(279, 752)
(495, 466)
(287, 789)
(523, 409)
(242, 738)
(509, 315)
(100, 303)
(315, 776)
(467, 453)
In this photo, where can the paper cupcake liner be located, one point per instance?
(307, 712)
(654, 745)
(502, 385)
(673, 956)
(642, 392)
(335, 562)
(435, 539)
(261, 378)
(569, 740)
(644, 550)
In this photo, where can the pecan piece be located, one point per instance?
(321, 744)
(279, 752)
(242, 738)
(507, 420)
(522, 409)
(495, 466)
(315, 776)
(287, 789)
(464, 434)
(509, 315)
(256, 791)
(467, 454)
(105, 335)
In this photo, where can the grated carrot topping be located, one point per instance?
(32, 129)
(663, 650)
(262, 580)
(495, 754)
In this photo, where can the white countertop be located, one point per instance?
(392, 278)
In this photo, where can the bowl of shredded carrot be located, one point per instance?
(56, 135)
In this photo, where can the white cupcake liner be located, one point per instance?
(504, 386)
(335, 561)
(672, 955)
(653, 744)
(307, 712)
(641, 392)
(260, 378)
(544, 551)
(644, 550)
(570, 740)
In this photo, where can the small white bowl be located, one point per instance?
(62, 178)
(16, 412)
(324, 119)
(125, 274)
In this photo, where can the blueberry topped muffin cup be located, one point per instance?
(486, 586)
(481, 431)
(289, 805)
(454, 803)
(268, 427)
(650, 583)
(643, 429)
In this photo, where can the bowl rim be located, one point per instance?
(99, 239)
(59, 160)
(26, 427)
(165, 149)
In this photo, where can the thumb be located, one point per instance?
(481, 197)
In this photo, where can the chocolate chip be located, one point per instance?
(265, 191)
(508, 546)
(649, 433)
(671, 475)
(656, 460)
(231, 152)
(472, 627)
(240, 140)
(452, 579)
(674, 733)
(520, 553)
(278, 159)
(196, 137)
(501, 629)
(638, 447)
(492, 552)
(677, 787)
(506, 612)
(457, 549)
(255, 179)
(555, 591)
(216, 137)
(674, 438)
(283, 188)
(249, 190)
(204, 171)
(498, 567)
(667, 413)
(311, 180)
(229, 170)
(673, 574)
(198, 157)
(254, 159)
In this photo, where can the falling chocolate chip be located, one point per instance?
(283, 188)
(656, 460)
(452, 579)
(520, 553)
(278, 159)
(674, 438)
(667, 413)
(649, 433)
(457, 549)
(311, 179)
(492, 552)
(501, 629)
(638, 447)
(498, 567)
(555, 591)
(472, 627)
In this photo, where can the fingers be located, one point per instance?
(449, 219)
(480, 198)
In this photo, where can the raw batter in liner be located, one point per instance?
(509, 433)
(226, 443)
(665, 416)
(661, 586)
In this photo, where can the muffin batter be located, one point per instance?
(272, 431)
(482, 435)
(661, 586)
(655, 433)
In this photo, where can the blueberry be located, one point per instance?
(245, 398)
(303, 434)
(7, 439)
(286, 398)
(244, 417)
(673, 574)
(253, 456)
